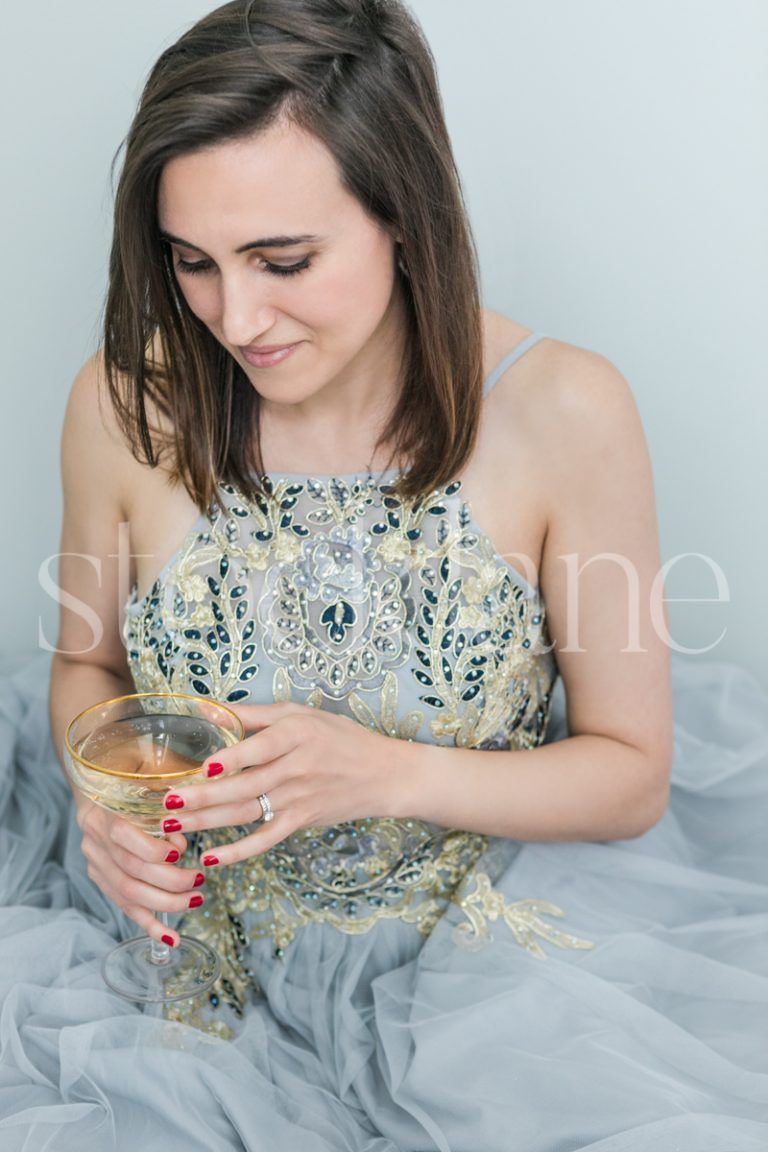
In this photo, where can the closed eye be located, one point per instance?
(195, 267)
(287, 269)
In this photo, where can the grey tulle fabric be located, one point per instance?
(656, 1039)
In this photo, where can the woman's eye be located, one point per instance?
(192, 267)
(287, 269)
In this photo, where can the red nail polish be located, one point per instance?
(172, 801)
(171, 826)
(215, 769)
(210, 861)
(172, 856)
(196, 901)
(169, 940)
(199, 879)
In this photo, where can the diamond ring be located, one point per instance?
(266, 808)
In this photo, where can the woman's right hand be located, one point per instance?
(136, 871)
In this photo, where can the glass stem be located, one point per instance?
(160, 953)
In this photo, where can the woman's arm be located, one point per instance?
(90, 664)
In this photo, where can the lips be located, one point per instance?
(269, 355)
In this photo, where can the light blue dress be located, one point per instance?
(388, 984)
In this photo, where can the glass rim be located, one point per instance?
(142, 696)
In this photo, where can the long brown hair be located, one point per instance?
(360, 76)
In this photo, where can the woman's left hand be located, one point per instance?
(317, 768)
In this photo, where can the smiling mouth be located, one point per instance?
(269, 355)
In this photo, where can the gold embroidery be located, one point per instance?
(387, 723)
(523, 917)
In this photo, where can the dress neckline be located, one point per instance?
(363, 474)
(136, 603)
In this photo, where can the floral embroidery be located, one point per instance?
(483, 903)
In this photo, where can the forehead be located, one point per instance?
(280, 179)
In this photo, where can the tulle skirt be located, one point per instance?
(387, 1041)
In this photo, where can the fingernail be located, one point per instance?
(172, 801)
(215, 769)
(172, 856)
(199, 879)
(171, 826)
(210, 861)
(196, 901)
(169, 940)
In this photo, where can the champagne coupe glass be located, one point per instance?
(126, 754)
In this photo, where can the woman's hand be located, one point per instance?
(317, 769)
(137, 871)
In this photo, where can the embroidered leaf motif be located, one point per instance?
(237, 695)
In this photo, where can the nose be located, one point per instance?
(247, 312)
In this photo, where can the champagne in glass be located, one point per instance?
(126, 755)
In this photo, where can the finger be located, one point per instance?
(167, 877)
(243, 811)
(153, 927)
(258, 716)
(112, 868)
(128, 891)
(175, 846)
(288, 818)
(233, 789)
(262, 748)
(135, 840)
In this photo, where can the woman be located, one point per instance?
(360, 508)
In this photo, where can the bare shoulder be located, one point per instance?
(89, 409)
(94, 451)
(562, 400)
(585, 412)
(95, 447)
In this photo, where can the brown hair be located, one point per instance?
(359, 75)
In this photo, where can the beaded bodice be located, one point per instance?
(334, 593)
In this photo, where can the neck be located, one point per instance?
(339, 428)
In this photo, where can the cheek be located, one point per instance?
(201, 298)
(359, 298)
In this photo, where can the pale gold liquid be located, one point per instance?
(142, 746)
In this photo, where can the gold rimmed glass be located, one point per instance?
(126, 755)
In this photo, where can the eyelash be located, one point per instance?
(198, 267)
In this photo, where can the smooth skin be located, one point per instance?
(560, 469)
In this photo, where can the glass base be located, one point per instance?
(189, 970)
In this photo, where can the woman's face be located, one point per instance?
(284, 267)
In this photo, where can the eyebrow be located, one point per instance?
(265, 242)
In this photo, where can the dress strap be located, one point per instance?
(516, 354)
